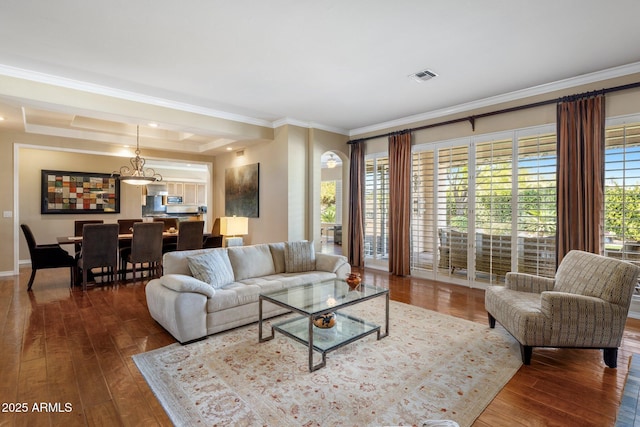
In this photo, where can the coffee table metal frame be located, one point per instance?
(302, 328)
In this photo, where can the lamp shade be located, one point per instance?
(234, 225)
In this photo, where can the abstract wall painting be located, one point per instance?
(241, 191)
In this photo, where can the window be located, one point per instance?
(536, 221)
(422, 213)
(622, 192)
(493, 210)
(376, 207)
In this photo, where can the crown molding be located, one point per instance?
(583, 79)
(309, 125)
(96, 89)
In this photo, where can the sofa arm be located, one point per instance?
(337, 264)
(184, 283)
(583, 321)
(528, 283)
(182, 314)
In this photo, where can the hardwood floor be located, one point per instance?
(72, 351)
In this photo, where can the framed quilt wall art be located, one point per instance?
(79, 192)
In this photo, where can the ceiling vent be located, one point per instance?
(423, 76)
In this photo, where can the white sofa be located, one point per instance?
(191, 309)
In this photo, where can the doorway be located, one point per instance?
(331, 203)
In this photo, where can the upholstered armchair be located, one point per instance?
(584, 306)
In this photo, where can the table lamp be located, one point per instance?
(232, 227)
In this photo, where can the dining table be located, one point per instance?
(167, 237)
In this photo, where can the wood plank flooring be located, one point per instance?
(71, 351)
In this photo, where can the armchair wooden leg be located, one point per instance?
(526, 351)
(492, 321)
(610, 356)
(33, 276)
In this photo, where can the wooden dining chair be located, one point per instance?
(99, 249)
(46, 256)
(146, 247)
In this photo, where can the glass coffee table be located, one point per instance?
(316, 299)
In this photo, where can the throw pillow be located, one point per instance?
(299, 257)
(212, 267)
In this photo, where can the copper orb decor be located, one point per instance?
(354, 280)
(325, 321)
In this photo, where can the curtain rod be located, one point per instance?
(472, 119)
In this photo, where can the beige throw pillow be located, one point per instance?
(299, 256)
(212, 267)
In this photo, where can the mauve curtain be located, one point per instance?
(580, 174)
(355, 253)
(399, 203)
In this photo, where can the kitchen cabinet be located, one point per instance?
(202, 195)
(193, 193)
(190, 195)
(175, 188)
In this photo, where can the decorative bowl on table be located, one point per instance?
(325, 321)
(354, 280)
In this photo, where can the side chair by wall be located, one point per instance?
(584, 306)
(47, 256)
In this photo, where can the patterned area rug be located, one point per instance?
(430, 367)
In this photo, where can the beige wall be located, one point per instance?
(289, 183)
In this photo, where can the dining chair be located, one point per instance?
(78, 225)
(99, 249)
(190, 235)
(215, 240)
(46, 256)
(146, 247)
(168, 223)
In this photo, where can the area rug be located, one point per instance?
(430, 367)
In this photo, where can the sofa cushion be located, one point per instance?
(251, 261)
(299, 256)
(212, 267)
(277, 252)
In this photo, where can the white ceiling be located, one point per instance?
(333, 64)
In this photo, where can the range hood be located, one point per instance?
(157, 190)
(182, 209)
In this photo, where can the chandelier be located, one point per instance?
(136, 174)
